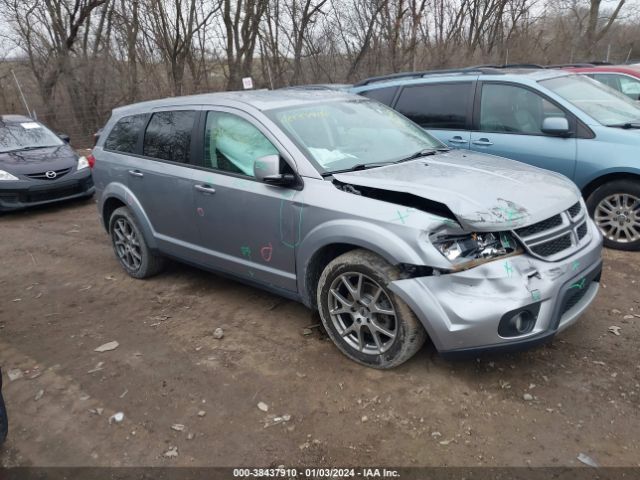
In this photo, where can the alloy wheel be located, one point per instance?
(362, 313)
(618, 217)
(127, 244)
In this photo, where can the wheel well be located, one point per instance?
(598, 182)
(317, 264)
(109, 206)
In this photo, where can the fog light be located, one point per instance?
(518, 322)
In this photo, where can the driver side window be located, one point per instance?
(513, 109)
(233, 145)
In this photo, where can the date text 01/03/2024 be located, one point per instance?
(315, 473)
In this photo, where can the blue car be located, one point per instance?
(551, 119)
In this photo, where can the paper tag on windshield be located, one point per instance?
(30, 125)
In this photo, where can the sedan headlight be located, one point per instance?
(467, 250)
(83, 163)
(7, 176)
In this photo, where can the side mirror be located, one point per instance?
(64, 137)
(267, 169)
(555, 126)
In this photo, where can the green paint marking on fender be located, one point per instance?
(579, 285)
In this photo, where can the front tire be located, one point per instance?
(615, 208)
(130, 247)
(365, 319)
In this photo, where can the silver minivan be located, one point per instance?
(343, 204)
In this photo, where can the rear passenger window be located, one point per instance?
(168, 136)
(125, 133)
(436, 106)
(382, 95)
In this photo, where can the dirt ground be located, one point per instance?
(63, 294)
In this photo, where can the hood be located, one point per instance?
(484, 192)
(38, 160)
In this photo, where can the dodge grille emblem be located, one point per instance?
(51, 174)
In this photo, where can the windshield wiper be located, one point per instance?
(422, 153)
(35, 147)
(627, 125)
(359, 166)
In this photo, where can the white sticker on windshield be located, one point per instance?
(30, 125)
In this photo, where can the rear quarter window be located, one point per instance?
(442, 105)
(125, 133)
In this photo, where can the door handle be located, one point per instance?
(136, 173)
(457, 140)
(205, 189)
(483, 141)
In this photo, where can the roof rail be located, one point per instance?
(571, 65)
(394, 76)
(512, 65)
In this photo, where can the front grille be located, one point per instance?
(542, 226)
(53, 194)
(552, 247)
(43, 175)
(582, 231)
(575, 210)
(558, 236)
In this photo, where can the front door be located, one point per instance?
(245, 226)
(508, 120)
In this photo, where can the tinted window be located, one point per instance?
(124, 135)
(383, 95)
(168, 136)
(436, 106)
(233, 145)
(512, 109)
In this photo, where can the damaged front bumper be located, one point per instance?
(462, 311)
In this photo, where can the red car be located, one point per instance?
(623, 78)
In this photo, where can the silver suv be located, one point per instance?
(341, 203)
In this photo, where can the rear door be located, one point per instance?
(443, 109)
(508, 120)
(163, 179)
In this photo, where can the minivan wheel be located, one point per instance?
(130, 246)
(365, 320)
(615, 208)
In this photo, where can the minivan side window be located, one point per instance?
(383, 95)
(125, 133)
(168, 136)
(442, 105)
(513, 109)
(232, 144)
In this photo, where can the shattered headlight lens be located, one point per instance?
(471, 249)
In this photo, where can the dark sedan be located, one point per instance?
(37, 167)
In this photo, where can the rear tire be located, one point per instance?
(130, 247)
(615, 208)
(366, 320)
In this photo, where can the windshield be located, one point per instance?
(27, 134)
(605, 104)
(340, 135)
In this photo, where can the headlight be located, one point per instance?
(6, 176)
(467, 250)
(83, 163)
